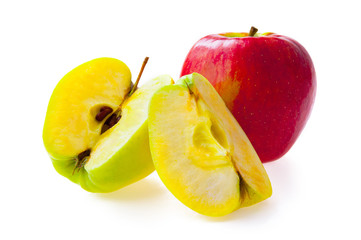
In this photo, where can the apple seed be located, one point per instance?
(110, 122)
(103, 112)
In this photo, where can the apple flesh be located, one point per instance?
(200, 152)
(95, 133)
(267, 81)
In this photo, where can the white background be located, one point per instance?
(316, 185)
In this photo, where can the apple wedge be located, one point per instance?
(95, 130)
(200, 152)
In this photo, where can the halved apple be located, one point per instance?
(200, 152)
(95, 132)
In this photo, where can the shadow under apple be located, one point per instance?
(281, 174)
(142, 190)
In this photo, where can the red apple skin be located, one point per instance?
(268, 82)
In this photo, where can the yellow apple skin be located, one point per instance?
(119, 156)
(200, 152)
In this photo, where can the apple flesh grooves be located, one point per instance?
(95, 132)
(267, 81)
(200, 152)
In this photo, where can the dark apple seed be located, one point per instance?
(103, 112)
(110, 122)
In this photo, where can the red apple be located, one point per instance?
(267, 81)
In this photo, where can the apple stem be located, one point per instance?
(252, 32)
(139, 75)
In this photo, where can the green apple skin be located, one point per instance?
(113, 174)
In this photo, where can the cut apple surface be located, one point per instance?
(95, 133)
(200, 152)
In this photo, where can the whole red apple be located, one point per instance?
(267, 81)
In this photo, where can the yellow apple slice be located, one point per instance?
(100, 160)
(200, 152)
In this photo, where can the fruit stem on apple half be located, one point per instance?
(139, 75)
(83, 157)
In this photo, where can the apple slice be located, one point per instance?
(95, 132)
(200, 152)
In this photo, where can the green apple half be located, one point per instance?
(200, 152)
(84, 146)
